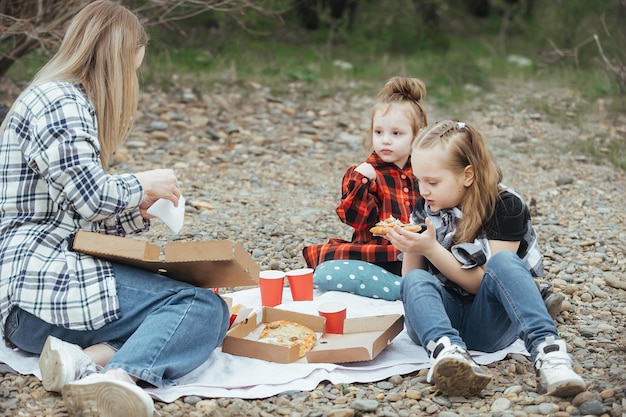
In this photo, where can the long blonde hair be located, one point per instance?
(99, 50)
(465, 146)
(401, 90)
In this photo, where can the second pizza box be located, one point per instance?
(363, 339)
(208, 264)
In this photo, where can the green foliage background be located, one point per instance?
(457, 56)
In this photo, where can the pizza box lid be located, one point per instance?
(363, 339)
(208, 264)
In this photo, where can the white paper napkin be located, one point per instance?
(172, 216)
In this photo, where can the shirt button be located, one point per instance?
(406, 203)
(406, 190)
(365, 180)
(403, 176)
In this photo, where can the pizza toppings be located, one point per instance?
(384, 226)
(288, 333)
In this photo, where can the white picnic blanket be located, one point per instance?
(229, 376)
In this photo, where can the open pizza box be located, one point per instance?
(207, 264)
(363, 339)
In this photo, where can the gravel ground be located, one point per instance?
(265, 170)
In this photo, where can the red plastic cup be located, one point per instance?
(335, 313)
(301, 284)
(271, 283)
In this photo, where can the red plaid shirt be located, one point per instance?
(363, 204)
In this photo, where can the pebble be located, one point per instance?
(266, 172)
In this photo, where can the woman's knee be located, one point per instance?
(211, 306)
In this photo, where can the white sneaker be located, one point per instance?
(62, 362)
(104, 395)
(554, 370)
(453, 370)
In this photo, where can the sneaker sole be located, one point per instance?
(570, 389)
(106, 399)
(458, 378)
(54, 375)
(563, 390)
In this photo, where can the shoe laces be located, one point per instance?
(552, 355)
(85, 365)
(554, 360)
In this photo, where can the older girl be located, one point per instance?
(55, 143)
(468, 279)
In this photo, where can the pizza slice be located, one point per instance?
(288, 333)
(384, 226)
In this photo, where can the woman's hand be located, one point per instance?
(157, 183)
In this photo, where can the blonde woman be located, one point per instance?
(99, 327)
(468, 279)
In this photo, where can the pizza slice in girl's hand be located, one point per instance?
(384, 226)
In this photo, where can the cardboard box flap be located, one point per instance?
(372, 324)
(215, 250)
(363, 339)
(108, 245)
(315, 323)
(212, 264)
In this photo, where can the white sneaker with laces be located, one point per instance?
(104, 395)
(554, 370)
(453, 370)
(62, 362)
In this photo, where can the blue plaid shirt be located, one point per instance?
(53, 184)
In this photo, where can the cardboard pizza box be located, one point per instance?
(363, 339)
(207, 264)
(236, 342)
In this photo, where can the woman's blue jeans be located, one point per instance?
(507, 305)
(167, 328)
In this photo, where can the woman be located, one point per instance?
(99, 326)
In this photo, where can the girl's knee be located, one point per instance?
(506, 259)
(505, 267)
(419, 276)
(416, 279)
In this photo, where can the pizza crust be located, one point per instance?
(288, 333)
(384, 226)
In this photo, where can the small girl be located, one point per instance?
(468, 279)
(383, 185)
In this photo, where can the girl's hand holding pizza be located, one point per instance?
(410, 242)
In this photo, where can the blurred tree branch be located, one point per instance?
(615, 66)
(26, 25)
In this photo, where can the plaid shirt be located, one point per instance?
(52, 185)
(363, 204)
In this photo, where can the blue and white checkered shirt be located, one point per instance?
(53, 184)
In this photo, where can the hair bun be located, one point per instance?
(407, 88)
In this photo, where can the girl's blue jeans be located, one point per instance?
(167, 328)
(507, 305)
